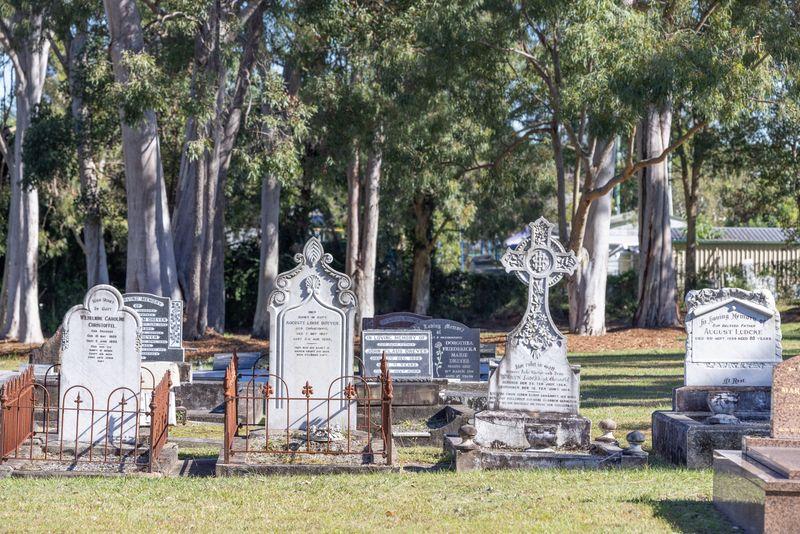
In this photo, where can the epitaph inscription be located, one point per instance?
(162, 326)
(534, 375)
(100, 368)
(733, 337)
(393, 320)
(312, 310)
(456, 349)
(408, 352)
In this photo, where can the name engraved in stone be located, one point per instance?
(313, 332)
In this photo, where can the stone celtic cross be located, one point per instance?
(539, 261)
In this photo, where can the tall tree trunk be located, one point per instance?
(587, 288)
(150, 257)
(268, 266)
(353, 212)
(199, 215)
(423, 235)
(94, 246)
(561, 179)
(690, 177)
(656, 306)
(21, 288)
(365, 287)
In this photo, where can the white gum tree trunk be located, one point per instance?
(268, 266)
(657, 305)
(150, 258)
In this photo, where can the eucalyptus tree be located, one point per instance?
(23, 38)
(151, 264)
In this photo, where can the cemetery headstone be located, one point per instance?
(456, 349)
(312, 313)
(408, 352)
(100, 368)
(393, 320)
(786, 401)
(534, 392)
(733, 337)
(162, 326)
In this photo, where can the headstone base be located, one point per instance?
(524, 431)
(686, 439)
(754, 497)
(695, 398)
(598, 456)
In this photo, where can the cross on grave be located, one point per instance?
(540, 262)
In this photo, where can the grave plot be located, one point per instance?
(304, 435)
(532, 415)
(90, 417)
(733, 344)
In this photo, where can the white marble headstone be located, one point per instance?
(100, 366)
(534, 375)
(312, 310)
(733, 337)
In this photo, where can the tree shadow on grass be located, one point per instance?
(688, 516)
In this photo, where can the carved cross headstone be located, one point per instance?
(534, 375)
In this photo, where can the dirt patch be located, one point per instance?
(204, 349)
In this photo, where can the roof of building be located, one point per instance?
(739, 235)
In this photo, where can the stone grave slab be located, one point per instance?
(456, 349)
(408, 352)
(101, 364)
(733, 337)
(312, 312)
(162, 326)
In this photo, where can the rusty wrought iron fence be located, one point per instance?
(33, 428)
(273, 433)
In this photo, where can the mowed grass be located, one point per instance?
(624, 386)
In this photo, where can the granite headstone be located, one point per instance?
(162, 326)
(456, 349)
(733, 337)
(312, 313)
(100, 367)
(408, 352)
(393, 320)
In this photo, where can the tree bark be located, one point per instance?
(656, 306)
(587, 288)
(200, 207)
(365, 287)
(353, 212)
(93, 243)
(561, 180)
(150, 256)
(21, 281)
(690, 177)
(268, 266)
(421, 278)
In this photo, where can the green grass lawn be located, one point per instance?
(625, 386)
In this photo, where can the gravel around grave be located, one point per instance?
(297, 442)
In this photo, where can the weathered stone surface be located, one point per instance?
(162, 326)
(733, 337)
(100, 363)
(752, 400)
(535, 375)
(312, 310)
(518, 430)
(50, 351)
(684, 438)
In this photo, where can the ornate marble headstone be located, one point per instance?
(101, 366)
(533, 393)
(312, 311)
(534, 375)
(162, 326)
(733, 337)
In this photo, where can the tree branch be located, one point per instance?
(7, 42)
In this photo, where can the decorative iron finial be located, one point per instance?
(308, 390)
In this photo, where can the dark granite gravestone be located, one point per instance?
(456, 349)
(393, 320)
(408, 352)
(162, 326)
